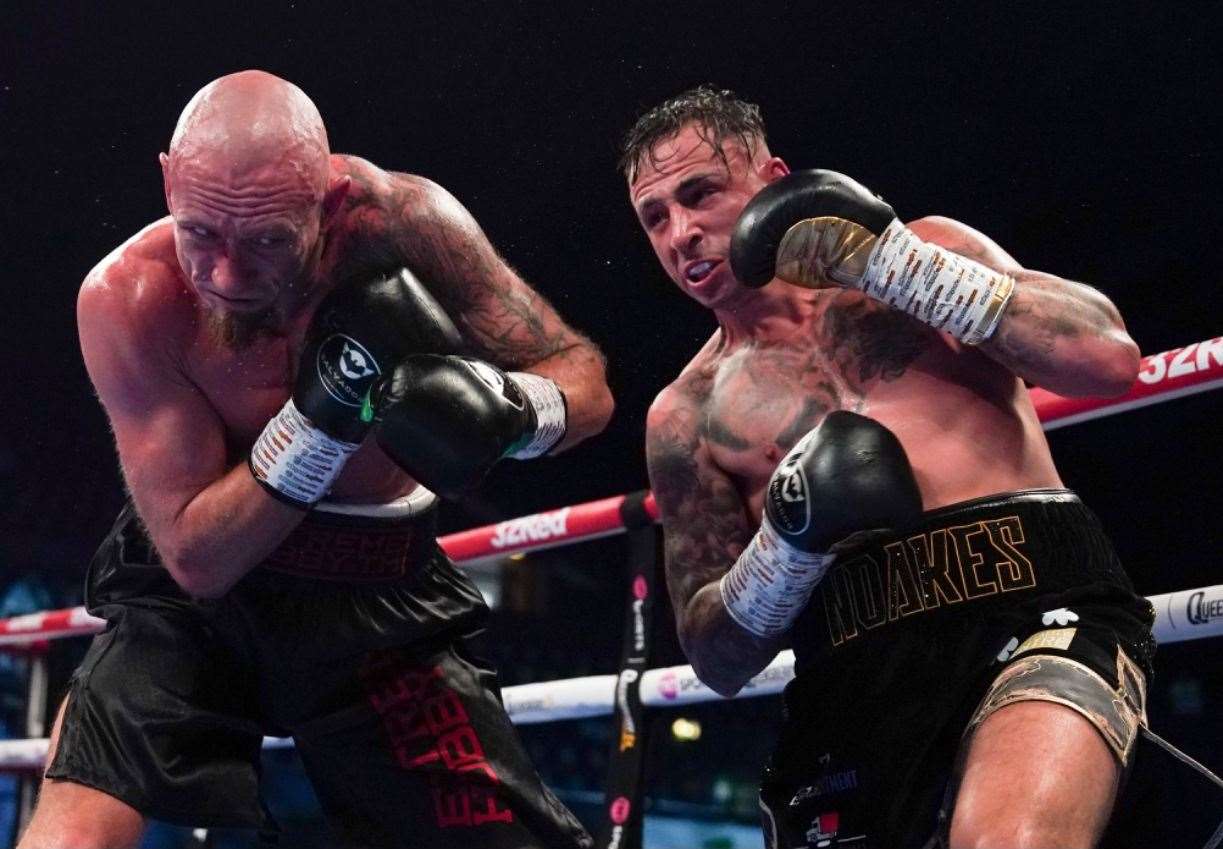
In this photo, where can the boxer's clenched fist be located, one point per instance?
(818, 228)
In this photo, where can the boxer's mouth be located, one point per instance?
(696, 272)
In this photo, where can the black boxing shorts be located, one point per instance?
(913, 638)
(352, 639)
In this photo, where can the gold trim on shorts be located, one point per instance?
(1116, 713)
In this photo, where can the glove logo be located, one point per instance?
(353, 363)
(345, 369)
(788, 494)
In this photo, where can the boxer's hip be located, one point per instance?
(340, 585)
(959, 566)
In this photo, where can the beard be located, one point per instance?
(237, 331)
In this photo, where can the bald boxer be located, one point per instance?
(851, 466)
(293, 362)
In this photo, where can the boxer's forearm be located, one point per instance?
(579, 372)
(1064, 337)
(723, 655)
(222, 533)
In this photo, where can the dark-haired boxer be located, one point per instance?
(278, 382)
(852, 466)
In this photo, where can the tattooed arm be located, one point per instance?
(503, 319)
(705, 526)
(1057, 334)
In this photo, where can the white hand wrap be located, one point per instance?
(770, 583)
(296, 460)
(550, 416)
(945, 290)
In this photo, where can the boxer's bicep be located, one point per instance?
(503, 319)
(169, 439)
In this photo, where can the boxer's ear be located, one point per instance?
(165, 176)
(336, 192)
(772, 169)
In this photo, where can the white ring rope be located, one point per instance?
(1185, 615)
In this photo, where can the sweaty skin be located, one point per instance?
(783, 357)
(191, 329)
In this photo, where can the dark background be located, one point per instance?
(1084, 140)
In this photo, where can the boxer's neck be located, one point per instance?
(765, 314)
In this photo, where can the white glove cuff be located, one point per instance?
(770, 583)
(295, 460)
(934, 285)
(546, 398)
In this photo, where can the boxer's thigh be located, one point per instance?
(158, 716)
(421, 753)
(73, 814)
(1037, 773)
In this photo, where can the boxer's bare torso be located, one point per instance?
(386, 219)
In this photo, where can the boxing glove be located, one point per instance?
(357, 334)
(848, 474)
(815, 228)
(447, 420)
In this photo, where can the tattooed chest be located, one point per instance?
(763, 398)
(761, 402)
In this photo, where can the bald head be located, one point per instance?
(250, 122)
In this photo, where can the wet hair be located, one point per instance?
(718, 114)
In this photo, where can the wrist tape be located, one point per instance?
(296, 461)
(770, 582)
(945, 290)
(546, 398)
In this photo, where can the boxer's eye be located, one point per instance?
(199, 232)
(269, 241)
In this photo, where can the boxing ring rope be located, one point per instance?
(1184, 615)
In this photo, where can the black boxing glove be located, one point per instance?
(816, 227)
(847, 475)
(447, 420)
(359, 331)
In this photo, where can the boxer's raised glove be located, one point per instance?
(358, 333)
(812, 228)
(849, 474)
(447, 420)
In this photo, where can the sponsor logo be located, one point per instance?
(1200, 611)
(823, 830)
(834, 783)
(1182, 361)
(668, 685)
(770, 675)
(1062, 616)
(541, 526)
(528, 705)
(640, 588)
(619, 810)
(345, 369)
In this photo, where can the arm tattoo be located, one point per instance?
(403, 219)
(707, 524)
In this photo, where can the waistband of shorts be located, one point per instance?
(1004, 520)
(987, 504)
(360, 542)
